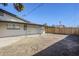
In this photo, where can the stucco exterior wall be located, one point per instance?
(34, 29)
(31, 29)
(11, 32)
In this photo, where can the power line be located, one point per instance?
(41, 4)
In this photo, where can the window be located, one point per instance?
(13, 26)
(1, 13)
(17, 26)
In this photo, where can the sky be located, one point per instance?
(50, 13)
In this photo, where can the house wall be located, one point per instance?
(11, 32)
(31, 29)
(34, 29)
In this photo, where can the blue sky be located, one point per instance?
(50, 13)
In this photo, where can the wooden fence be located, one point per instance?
(62, 30)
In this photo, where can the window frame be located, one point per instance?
(12, 26)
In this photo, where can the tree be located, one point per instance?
(18, 6)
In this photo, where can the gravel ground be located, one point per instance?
(27, 46)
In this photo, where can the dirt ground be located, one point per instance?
(69, 46)
(31, 45)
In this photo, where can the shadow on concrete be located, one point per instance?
(68, 46)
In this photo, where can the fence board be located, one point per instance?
(63, 30)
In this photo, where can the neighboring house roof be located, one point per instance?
(18, 20)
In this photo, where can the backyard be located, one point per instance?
(47, 44)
